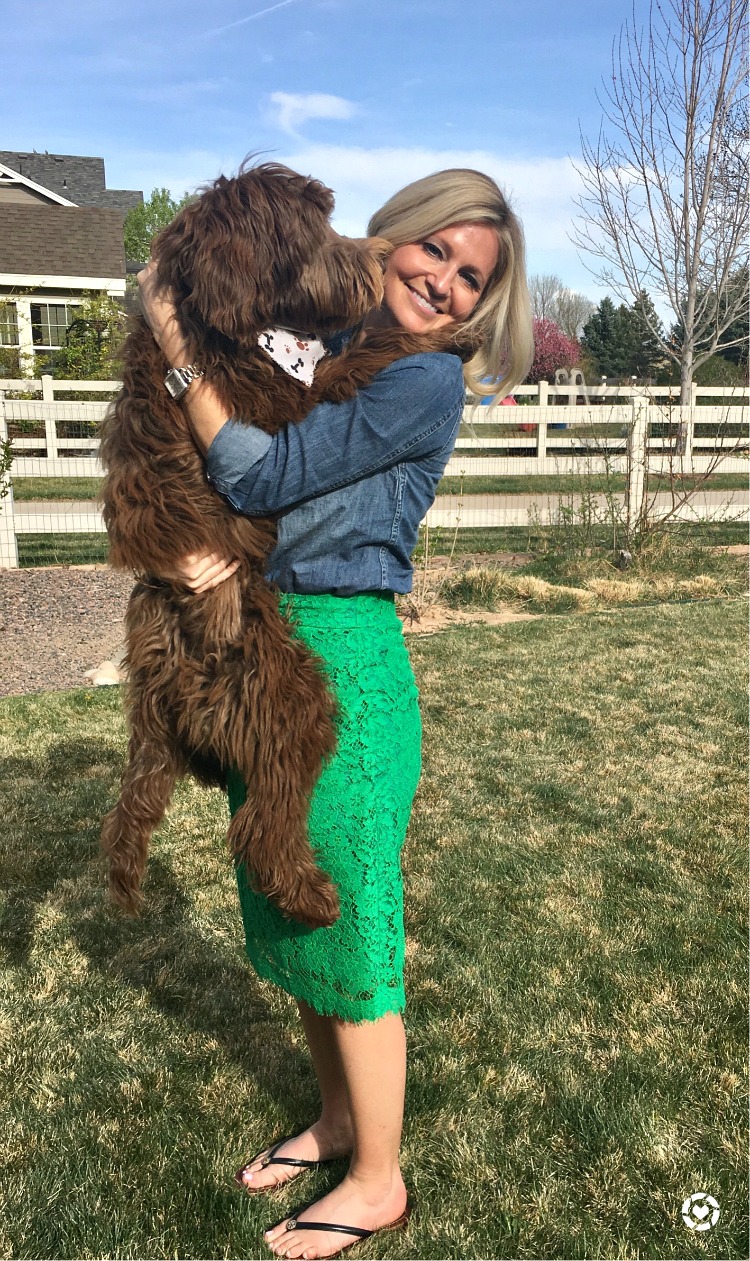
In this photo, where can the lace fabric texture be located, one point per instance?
(359, 812)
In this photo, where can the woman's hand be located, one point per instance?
(202, 572)
(161, 317)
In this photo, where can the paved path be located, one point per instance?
(489, 510)
(78, 516)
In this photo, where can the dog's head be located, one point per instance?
(258, 251)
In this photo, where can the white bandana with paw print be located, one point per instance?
(297, 355)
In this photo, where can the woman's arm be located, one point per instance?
(205, 413)
(410, 411)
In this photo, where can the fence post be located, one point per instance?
(50, 425)
(687, 427)
(637, 455)
(541, 429)
(8, 544)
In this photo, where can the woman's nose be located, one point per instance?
(440, 279)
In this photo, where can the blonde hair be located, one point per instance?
(499, 327)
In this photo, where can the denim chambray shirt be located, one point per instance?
(351, 483)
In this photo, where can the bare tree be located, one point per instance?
(665, 204)
(550, 300)
(572, 311)
(543, 291)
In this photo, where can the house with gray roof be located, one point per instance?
(60, 237)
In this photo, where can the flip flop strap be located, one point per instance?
(293, 1224)
(273, 1159)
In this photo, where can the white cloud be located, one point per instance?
(541, 190)
(290, 110)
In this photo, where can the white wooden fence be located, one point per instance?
(626, 429)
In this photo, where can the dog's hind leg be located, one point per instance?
(155, 757)
(147, 784)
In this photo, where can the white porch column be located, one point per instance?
(25, 339)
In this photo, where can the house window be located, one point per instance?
(8, 324)
(49, 324)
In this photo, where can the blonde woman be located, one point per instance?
(352, 482)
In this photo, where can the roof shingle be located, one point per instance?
(61, 241)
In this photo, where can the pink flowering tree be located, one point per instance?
(552, 349)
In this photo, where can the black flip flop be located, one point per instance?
(272, 1159)
(293, 1223)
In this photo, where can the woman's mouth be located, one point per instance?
(422, 303)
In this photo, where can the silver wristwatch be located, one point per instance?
(179, 380)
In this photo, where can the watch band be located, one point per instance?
(179, 380)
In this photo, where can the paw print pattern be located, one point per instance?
(298, 357)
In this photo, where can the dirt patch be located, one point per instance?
(437, 618)
(57, 623)
(733, 549)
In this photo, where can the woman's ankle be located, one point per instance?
(375, 1181)
(334, 1128)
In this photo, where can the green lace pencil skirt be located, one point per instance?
(359, 813)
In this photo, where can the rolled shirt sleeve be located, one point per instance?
(407, 412)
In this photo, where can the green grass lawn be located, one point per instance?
(41, 488)
(575, 878)
(550, 541)
(37, 489)
(61, 549)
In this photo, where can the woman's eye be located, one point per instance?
(471, 281)
(431, 249)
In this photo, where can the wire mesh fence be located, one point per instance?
(633, 453)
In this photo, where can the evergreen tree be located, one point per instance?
(738, 331)
(646, 338)
(607, 339)
(623, 341)
(734, 342)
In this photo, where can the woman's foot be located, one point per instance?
(318, 1142)
(369, 1206)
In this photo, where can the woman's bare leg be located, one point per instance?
(331, 1134)
(373, 1058)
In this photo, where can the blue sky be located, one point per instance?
(364, 94)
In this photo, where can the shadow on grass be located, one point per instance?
(53, 858)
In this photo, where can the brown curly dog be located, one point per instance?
(216, 680)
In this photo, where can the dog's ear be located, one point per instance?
(214, 257)
(318, 197)
(228, 255)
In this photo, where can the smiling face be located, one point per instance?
(438, 280)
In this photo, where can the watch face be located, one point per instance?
(176, 383)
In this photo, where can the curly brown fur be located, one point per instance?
(217, 681)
